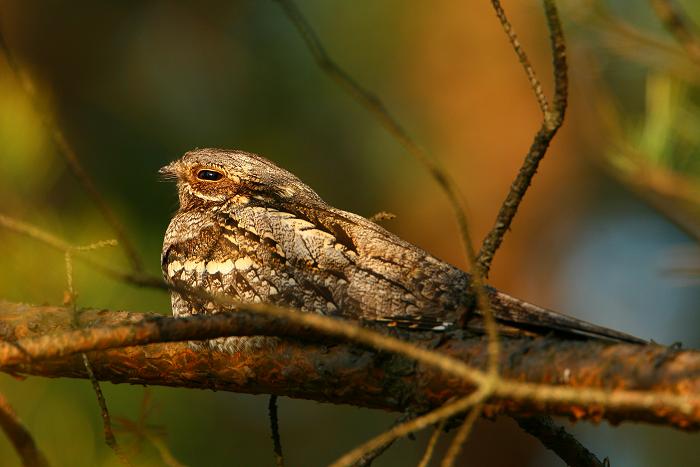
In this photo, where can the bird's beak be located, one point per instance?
(170, 171)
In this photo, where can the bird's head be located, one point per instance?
(209, 177)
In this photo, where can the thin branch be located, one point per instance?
(35, 233)
(70, 299)
(580, 379)
(623, 30)
(461, 436)
(367, 458)
(334, 327)
(376, 107)
(72, 159)
(679, 25)
(553, 119)
(374, 104)
(110, 439)
(446, 411)
(275, 431)
(432, 442)
(522, 57)
(20, 438)
(643, 47)
(559, 441)
(40, 235)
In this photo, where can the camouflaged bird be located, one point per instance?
(254, 232)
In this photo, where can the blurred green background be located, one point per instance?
(606, 233)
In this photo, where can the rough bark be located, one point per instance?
(348, 374)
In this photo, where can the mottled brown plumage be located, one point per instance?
(253, 231)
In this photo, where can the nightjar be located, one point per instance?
(251, 230)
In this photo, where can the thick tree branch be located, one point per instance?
(349, 374)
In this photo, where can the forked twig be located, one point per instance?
(446, 411)
(377, 108)
(51, 240)
(553, 119)
(485, 380)
(522, 57)
(72, 159)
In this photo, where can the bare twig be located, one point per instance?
(70, 299)
(72, 159)
(442, 413)
(461, 436)
(489, 383)
(678, 24)
(342, 327)
(20, 438)
(62, 245)
(553, 118)
(622, 29)
(404, 349)
(35, 233)
(432, 442)
(275, 431)
(369, 457)
(640, 46)
(57, 243)
(110, 439)
(71, 295)
(552, 121)
(558, 440)
(374, 104)
(522, 57)
(376, 107)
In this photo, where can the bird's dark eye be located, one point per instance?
(209, 175)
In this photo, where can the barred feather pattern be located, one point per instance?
(269, 238)
(253, 231)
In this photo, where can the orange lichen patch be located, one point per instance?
(577, 413)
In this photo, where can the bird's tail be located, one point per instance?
(521, 315)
